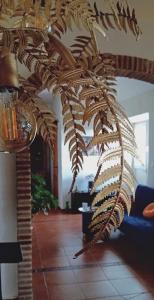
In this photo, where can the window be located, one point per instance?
(141, 130)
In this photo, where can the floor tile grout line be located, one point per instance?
(82, 266)
(132, 296)
(46, 286)
(76, 267)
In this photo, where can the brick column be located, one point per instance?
(23, 173)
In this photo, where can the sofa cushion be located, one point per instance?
(138, 228)
(144, 195)
(148, 211)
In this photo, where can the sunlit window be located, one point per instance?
(141, 131)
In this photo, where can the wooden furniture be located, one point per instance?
(78, 197)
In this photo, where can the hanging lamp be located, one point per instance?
(17, 123)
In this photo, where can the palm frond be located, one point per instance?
(74, 130)
(47, 126)
(84, 48)
(45, 117)
(115, 181)
(53, 45)
(119, 16)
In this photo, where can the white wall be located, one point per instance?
(138, 105)
(56, 107)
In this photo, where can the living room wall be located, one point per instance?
(144, 103)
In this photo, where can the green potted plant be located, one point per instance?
(42, 198)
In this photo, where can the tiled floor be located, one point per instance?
(115, 270)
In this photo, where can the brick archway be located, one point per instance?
(133, 67)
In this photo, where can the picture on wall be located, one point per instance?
(92, 150)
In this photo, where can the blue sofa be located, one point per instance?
(136, 226)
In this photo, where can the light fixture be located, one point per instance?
(26, 14)
(17, 123)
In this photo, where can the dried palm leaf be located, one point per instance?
(84, 48)
(116, 179)
(45, 117)
(118, 17)
(72, 115)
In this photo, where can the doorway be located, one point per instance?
(43, 164)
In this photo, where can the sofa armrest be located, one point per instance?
(144, 195)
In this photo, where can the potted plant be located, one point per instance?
(42, 198)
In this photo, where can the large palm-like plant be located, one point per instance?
(85, 80)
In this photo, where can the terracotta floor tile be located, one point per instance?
(52, 251)
(55, 261)
(60, 277)
(116, 272)
(144, 296)
(89, 274)
(110, 271)
(139, 296)
(110, 298)
(71, 250)
(72, 242)
(36, 261)
(40, 291)
(128, 286)
(131, 296)
(109, 257)
(85, 259)
(45, 243)
(66, 292)
(98, 289)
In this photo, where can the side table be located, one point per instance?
(86, 219)
(77, 198)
